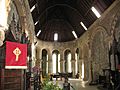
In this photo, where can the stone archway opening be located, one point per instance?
(56, 61)
(67, 58)
(44, 62)
(99, 53)
(77, 61)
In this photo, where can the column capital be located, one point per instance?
(62, 60)
(73, 60)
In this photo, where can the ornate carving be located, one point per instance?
(15, 29)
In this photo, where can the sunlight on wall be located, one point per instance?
(82, 70)
(33, 54)
(58, 62)
(47, 65)
(69, 63)
(3, 14)
(76, 65)
(54, 62)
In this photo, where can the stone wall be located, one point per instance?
(93, 45)
(21, 11)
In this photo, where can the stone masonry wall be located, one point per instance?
(97, 39)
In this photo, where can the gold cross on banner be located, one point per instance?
(17, 52)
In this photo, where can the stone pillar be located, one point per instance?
(62, 65)
(73, 67)
(86, 69)
(80, 68)
(50, 62)
(2, 35)
(73, 63)
(39, 57)
(62, 62)
(91, 63)
(90, 67)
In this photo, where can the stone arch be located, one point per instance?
(116, 34)
(45, 49)
(20, 7)
(67, 64)
(21, 12)
(56, 60)
(44, 62)
(85, 62)
(26, 25)
(114, 25)
(66, 49)
(99, 52)
(55, 50)
(98, 29)
(117, 29)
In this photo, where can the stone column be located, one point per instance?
(62, 62)
(90, 67)
(39, 57)
(86, 70)
(73, 67)
(73, 63)
(90, 61)
(2, 35)
(80, 68)
(50, 66)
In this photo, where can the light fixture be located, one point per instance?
(32, 8)
(83, 25)
(36, 23)
(38, 33)
(95, 12)
(75, 35)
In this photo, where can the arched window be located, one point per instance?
(56, 61)
(55, 36)
(44, 62)
(76, 63)
(67, 57)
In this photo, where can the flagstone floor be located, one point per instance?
(77, 84)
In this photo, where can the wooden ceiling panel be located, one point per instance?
(63, 16)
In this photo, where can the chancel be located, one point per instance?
(47, 43)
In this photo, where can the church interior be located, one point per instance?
(60, 41)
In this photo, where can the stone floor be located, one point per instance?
(78, 84)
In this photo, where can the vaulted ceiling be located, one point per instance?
(64, 16)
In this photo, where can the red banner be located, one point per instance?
(16, 55)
